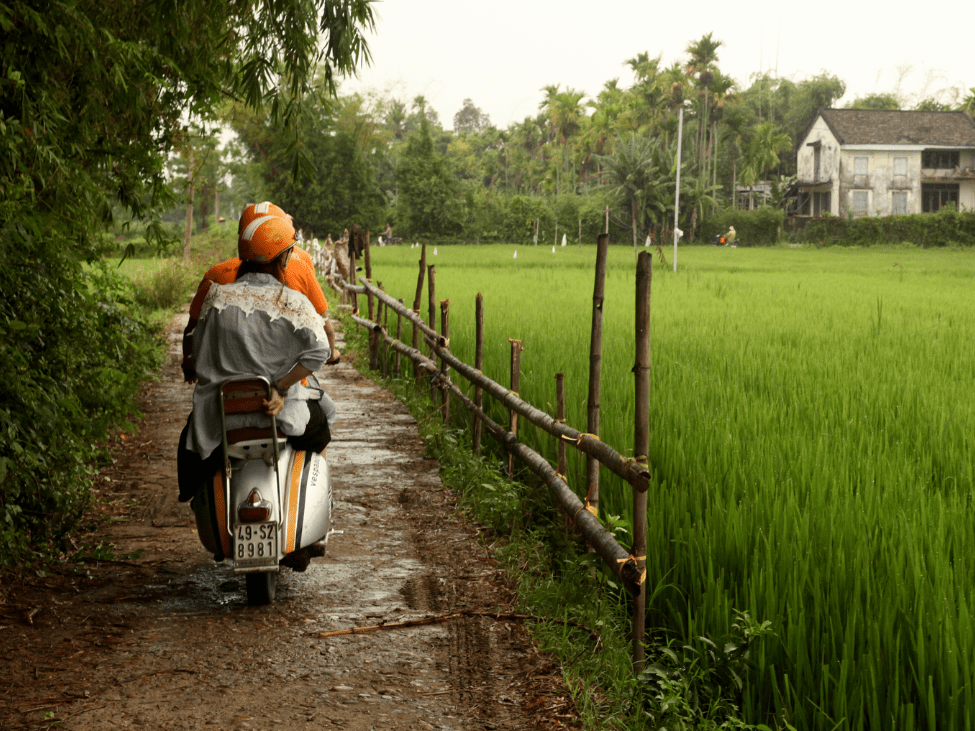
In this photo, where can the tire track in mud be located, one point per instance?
(166, 640)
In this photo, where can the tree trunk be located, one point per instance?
(189, 210)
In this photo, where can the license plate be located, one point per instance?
(256, 543)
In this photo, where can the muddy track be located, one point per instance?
(166, 640)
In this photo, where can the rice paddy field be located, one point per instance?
(811, 416)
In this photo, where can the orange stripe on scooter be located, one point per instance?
(220, 508)
(293, 500)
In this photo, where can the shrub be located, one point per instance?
(944, 228)
(760, 227)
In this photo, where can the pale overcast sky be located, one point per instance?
(500, 53)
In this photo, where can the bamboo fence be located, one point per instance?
(629, 566)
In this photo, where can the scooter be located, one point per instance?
(270, 505)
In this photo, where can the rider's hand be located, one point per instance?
(273, 405)
(335, 357)
(189, 372)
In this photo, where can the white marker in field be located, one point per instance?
(434, 250)
(647, 242)
(516, 254)
(564, 240)
(553, 249)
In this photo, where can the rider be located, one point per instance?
(301, 278)
(256, 326)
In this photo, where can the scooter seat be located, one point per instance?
(249, 433)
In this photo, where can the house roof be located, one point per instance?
(879, 127)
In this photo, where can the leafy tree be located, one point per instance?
(932, 105)
(642, 181)
(470, 119)
(94, 97)
(888, 102)
(428, 203)
(968, 103)
(341, 186)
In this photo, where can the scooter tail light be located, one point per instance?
(254, 510)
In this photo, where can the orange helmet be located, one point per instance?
(264, 238)
(255, 210)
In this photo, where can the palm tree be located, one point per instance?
(760, 153)
(640, 171)
(564, 110)
(968, 104)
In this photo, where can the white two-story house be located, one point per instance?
(865, 162)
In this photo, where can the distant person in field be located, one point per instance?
(387, 237)
(299, 276)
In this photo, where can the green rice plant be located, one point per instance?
(811, 413)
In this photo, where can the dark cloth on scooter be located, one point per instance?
(317, 434)
(192, 472)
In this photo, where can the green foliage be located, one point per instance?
(93, 98)
(339, 185)
(696, 683)
(167, 286)
(888, 102)
(73, 352)
(759, 227)
(429, 203)
(944, 228)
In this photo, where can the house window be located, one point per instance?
(860, 165)
(861, 202)
(940, 159)
(817, 162)
(821, 203)
(936, 195)
(900, 166)
(898, 204)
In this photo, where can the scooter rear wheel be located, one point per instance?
(261, 587)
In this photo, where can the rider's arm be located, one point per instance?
(188, 366)
(273, 405)
(330, 334)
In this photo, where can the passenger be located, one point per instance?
(301, 278)
(256, 326)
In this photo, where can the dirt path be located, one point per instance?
(166, 640)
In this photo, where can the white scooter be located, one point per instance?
(270, 505)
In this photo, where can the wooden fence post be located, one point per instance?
(368, 264)
(399, 336)
(595, 366)
(444, 368)
(641, 448)
(563, 465)
(515, 386)
(416, 306)
(352, 275)
(432, 320)
(380, 340)
(478, 364)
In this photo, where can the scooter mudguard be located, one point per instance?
(301, 505)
